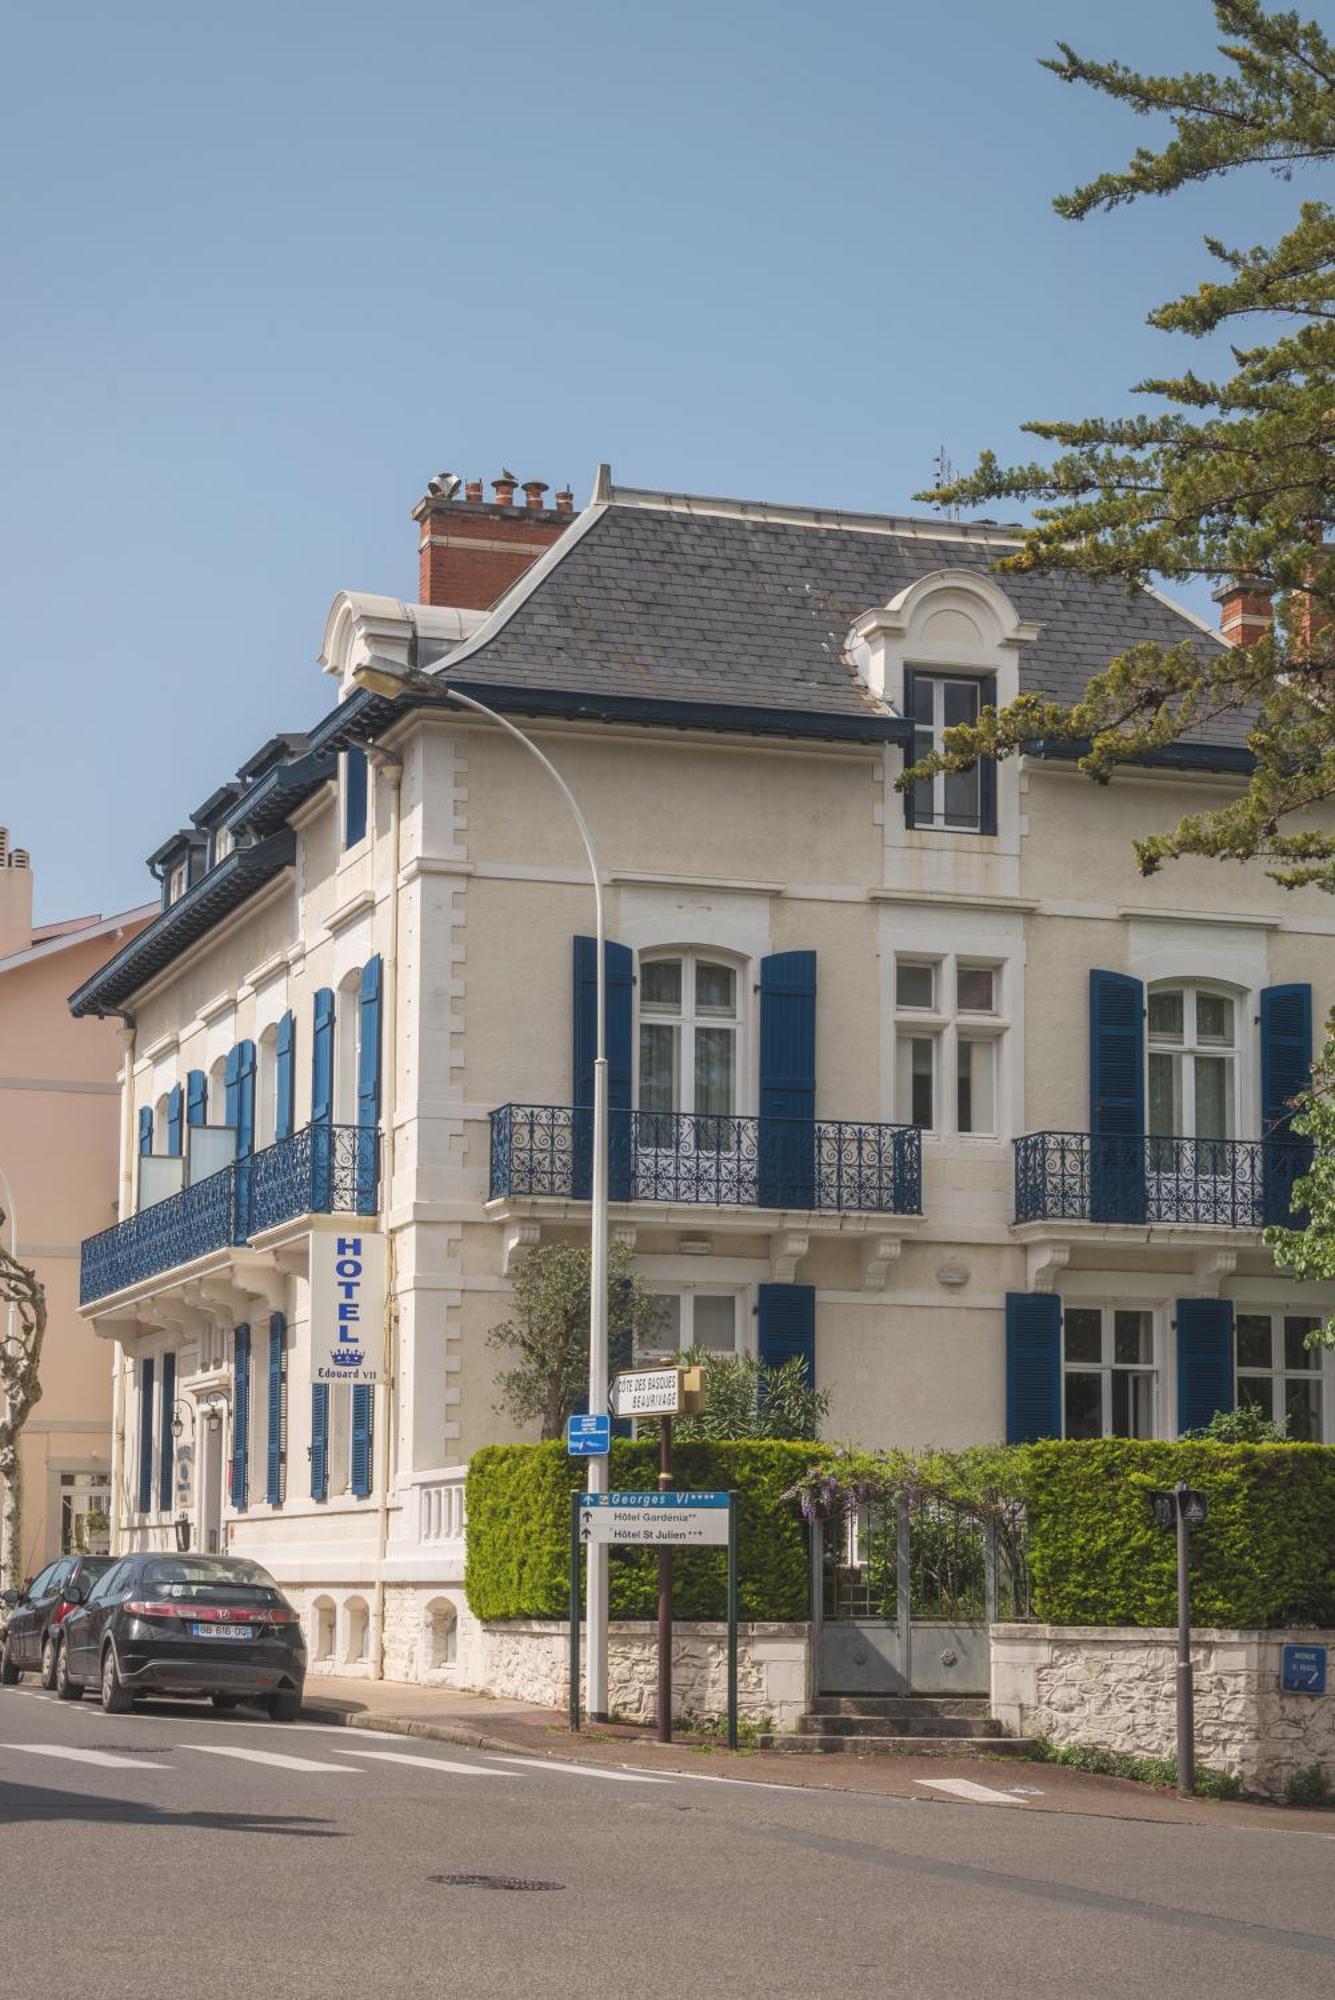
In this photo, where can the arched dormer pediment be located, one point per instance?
(950, 618)
(361, 623)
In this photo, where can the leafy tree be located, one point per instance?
(548, 1332)
(22, 1331)
(1227, 477)
(746, 1399)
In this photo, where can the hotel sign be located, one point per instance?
(347, 1306)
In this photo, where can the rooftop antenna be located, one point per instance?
(945, 474)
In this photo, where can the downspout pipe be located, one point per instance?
(390, 766)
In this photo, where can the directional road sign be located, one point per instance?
(675, 1520)
(588, 1437)
(1303, 1670)
(647, 1392)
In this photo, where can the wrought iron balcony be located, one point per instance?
(700, 1160)
(1098, 1177)
(321, 1170)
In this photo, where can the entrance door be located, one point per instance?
(210, 1431)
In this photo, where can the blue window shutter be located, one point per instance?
(230, 1073)
(244, 1120)
(1116, 1098)
(275, 1454)
(322, 1101)
(910, 817)
(1033, 1366)
(240, 1414)
(787, 1163)
(1286, 1069)
(363, 1406)
(987, 766)
(196, 1098)
(145, 1495)
(176, 1121)
(166, 1442)
(368, 1083)
(786, 1317)
(354, 795)
(319, 1440)
(620, 980)
(322, 1059)
(146, 1130)
(285, 1076)
(1204, 1360)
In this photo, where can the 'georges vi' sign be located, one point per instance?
(347, 1306)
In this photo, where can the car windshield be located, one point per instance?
(92, 1566)
(201, 1576)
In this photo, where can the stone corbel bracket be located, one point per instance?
(517, 1240)
(878, 1254)
(1044, 1264)
(1209, 1270)
(787, 1248)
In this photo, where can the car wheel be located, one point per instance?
(224, 1700)
(48, 1662)
(285, 1706)
(9, 1673)
(116, 1697)
(67, 1689)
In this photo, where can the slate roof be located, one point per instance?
(669, 605)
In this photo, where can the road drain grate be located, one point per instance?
(491, 1882)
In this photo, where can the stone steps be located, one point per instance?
(949, 1726)
(911, 1725)
(902, 1746)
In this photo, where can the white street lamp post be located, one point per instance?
(386, 677)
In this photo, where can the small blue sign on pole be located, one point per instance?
(1303, 1670)
(588, 1437)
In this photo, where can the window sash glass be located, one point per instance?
(915, 985)
(1166, 1012)
(1253, 1336)
(1302, 1409)
(1165, 1106)
(715, 990)
(976, 1085)
(1213, 1097)
(975, 989)
(1082, 1331)
(952, 799)
(1297, 1355)
(1132, 1413)
(1083, 1399)
(714, 1049)
(658, 1066)
(916, 1060)
(714, 1322)
(1214, 1019)
(660, 984)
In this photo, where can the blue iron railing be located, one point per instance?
(701, 1160)
(322, 1170)
(1104, 1177)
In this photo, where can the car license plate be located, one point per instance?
(223, 1631)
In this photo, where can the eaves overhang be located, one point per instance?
(191, 917)
(1226, 758)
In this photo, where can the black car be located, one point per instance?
(184, 1624)
(37, 1612)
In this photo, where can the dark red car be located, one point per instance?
(37, 1612)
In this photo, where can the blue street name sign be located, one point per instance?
(588, 1437)
(1303, 1670)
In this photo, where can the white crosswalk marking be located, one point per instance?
(581, 1770)
(427, 1763)
(965, 1788)
(274, 1757)
(106, 1758)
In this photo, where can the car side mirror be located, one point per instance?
(11, 1598)
(76, 1592)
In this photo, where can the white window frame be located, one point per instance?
(946, 1025)
(687, 1292)
(1277, 1374)
(224, 840)
(1106, 1367)
(690, 957)
(939, 678)
(1191, 1047)
(178, 881)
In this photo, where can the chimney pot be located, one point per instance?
(533, 492)
(473, 492)
(565, 501)
(504, 489)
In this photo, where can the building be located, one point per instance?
(934, 1090)
(59, 1147)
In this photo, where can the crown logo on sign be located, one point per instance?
(348, 1357)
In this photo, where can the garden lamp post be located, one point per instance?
(392, 680)
(1183, 1508)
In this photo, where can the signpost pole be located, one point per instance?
(665, 1592)
(1186, 1717)
(732, 1621)
(574, 1611)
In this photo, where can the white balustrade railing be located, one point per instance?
(441, 1513)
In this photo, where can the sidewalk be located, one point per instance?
(461, 1716)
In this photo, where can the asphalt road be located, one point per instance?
(174, 1851)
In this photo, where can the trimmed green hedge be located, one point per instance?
(1266, 1555)
(519, 1531)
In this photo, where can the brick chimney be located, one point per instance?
(1244, 611)
(471, 550)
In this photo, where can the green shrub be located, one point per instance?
(1309, 1787)
(1105, 1763)
(1266, 1555)
(519, 1531)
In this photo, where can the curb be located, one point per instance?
(399, 1725)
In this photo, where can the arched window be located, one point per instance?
(323, 1646)
(690, 1038)
(358, 1630)
(1192, 1062)
(266, 1088)
(217, 1097)
(442, 1633)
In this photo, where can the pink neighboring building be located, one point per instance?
(59, 1153)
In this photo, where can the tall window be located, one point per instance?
(689, 1040)
(689, 1319)
(1109, 1379)
(266, 1087)
(1193, 1074)
(347, 1033)
(952, 799)
(1278, 1373)
(948, 1029)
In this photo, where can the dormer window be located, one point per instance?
(176, 882)
(951, 801)
(223, 842)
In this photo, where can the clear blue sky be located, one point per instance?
(269, 267)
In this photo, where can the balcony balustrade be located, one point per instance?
(321, 1170)
(701, 1160)
(1099, 1177)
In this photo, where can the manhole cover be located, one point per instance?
(491, 1882)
